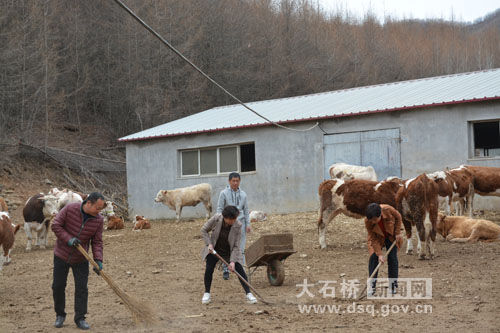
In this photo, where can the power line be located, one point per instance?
(138, 19)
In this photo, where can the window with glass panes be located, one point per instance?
(218, 160)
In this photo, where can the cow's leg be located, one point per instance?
(45, 237)
(421, 238)
(7, 257)
(41, 236)
(325, 218)
(448, 206)
(178, 211)
(470, 200)
(1, 261)
(430, 232)
(27, 229)
(409, 243)
(208, 207)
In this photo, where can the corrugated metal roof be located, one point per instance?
(449, 89)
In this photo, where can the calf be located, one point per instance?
(463, 189)
(256, 215)
(7, 233)
(186, 196)
(351, 198)
(462, 229)
(108, 211)
(115, 222)
(417, 201)
(141, 223)
(3, 205)
(347, 172)
(38, 211)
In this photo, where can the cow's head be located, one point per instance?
(108, 209)
(161, 195)
(441, 225)
(50, 205)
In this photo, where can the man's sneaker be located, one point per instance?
(251, 298)
(206, 298)
(225, 272)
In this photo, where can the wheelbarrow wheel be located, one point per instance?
(275, 272)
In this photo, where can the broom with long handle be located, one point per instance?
(362, 295)
(241, 278)
(140, 312)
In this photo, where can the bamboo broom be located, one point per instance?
(141, 313)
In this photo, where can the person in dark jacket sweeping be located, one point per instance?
(77, 223)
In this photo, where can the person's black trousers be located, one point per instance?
(211, 261)
(81, 276)
(392, 262)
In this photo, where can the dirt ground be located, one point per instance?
(162, 267)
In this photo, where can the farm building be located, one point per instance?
(401, 129)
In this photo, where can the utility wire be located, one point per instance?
(138, 19)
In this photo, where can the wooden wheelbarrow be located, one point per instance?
(271, 251)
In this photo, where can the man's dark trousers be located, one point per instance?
(81, 276)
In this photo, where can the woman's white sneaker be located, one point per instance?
(251, 298)
(206, 298)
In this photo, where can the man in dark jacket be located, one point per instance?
(76, 223)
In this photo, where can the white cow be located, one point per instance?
(257, 215)
(65, 197)
(186, 196)
(347, 172)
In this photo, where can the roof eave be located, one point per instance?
(314, 118)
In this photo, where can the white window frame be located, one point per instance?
(217, 148)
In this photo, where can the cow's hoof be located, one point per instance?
(422, 257)
(409, 252)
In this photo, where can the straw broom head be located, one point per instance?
(141, 312)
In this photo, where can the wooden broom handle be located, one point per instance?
(241, 278)
(376, 270)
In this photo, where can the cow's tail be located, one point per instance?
(325, 197)
(45, 222)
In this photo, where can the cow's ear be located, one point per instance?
(16, 228)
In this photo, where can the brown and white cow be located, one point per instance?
(115, 223)
(462, 229)
(186, 196)
(346, 171)
(7, 233)
(3, 205)
(417, 201)
(141, 223)
(38, 212)
(351, 198)
(486, 180)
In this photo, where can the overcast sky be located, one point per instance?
(462, 10)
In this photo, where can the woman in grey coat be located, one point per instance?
(224, 238)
